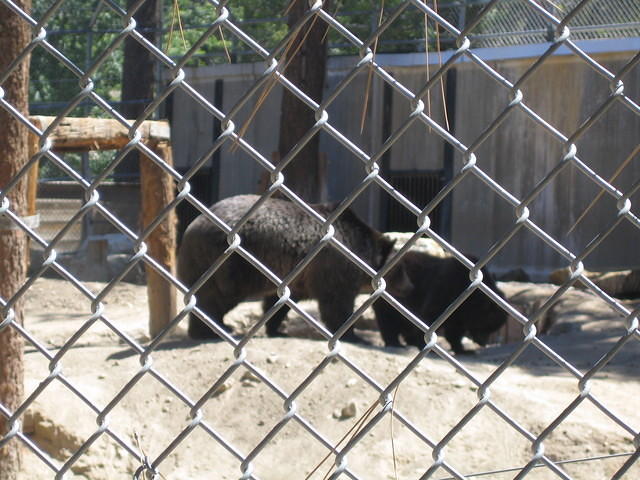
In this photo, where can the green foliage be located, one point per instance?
(260, 19)
(81, 31)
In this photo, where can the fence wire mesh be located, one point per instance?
(257, 459)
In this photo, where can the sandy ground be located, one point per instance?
(431, 400)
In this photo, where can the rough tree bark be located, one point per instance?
(14, 147)
(138, 73)
(304, 175)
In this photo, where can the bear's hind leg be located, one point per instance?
(389, 322)
(273, 324)
(334, 311)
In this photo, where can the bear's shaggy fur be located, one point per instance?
(279, 234)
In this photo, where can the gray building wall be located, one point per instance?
(565, 91)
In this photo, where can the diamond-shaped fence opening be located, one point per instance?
(403, 360)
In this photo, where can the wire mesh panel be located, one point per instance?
(58, 212)
(123, 404)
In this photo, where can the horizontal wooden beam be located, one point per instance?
(81, 134)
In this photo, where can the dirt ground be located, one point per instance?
(431, 400)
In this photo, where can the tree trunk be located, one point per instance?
(304, 175)
(14, 36)
(138, 74)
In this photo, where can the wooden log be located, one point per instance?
(32, 182)
(157, 192)
(76, 134)
(32, 185)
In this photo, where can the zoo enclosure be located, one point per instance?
(513, 99)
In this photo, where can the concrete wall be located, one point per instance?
(565, 91)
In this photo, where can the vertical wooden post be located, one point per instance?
(32, 182)
(157, 192)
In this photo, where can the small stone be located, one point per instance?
(351, 382)
(348, 411)
(222, 388)
(272, 359)
(249, 377)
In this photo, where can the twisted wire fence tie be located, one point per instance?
(517, 98)
(15, 428)
(469, 161)
(529, 331)
(537, 447)
(277, 180)
(484, 395)
(571, 151)
(632, 321)
(4, 207)
(9, 317)
(522, 214)
(624, 207)
(246, 468)
(584, 386)
(284, 292)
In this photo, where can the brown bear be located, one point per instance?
(279, 234)
(437, 282)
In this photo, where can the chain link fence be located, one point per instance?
(202, 425)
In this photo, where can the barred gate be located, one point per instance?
(254, 448)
